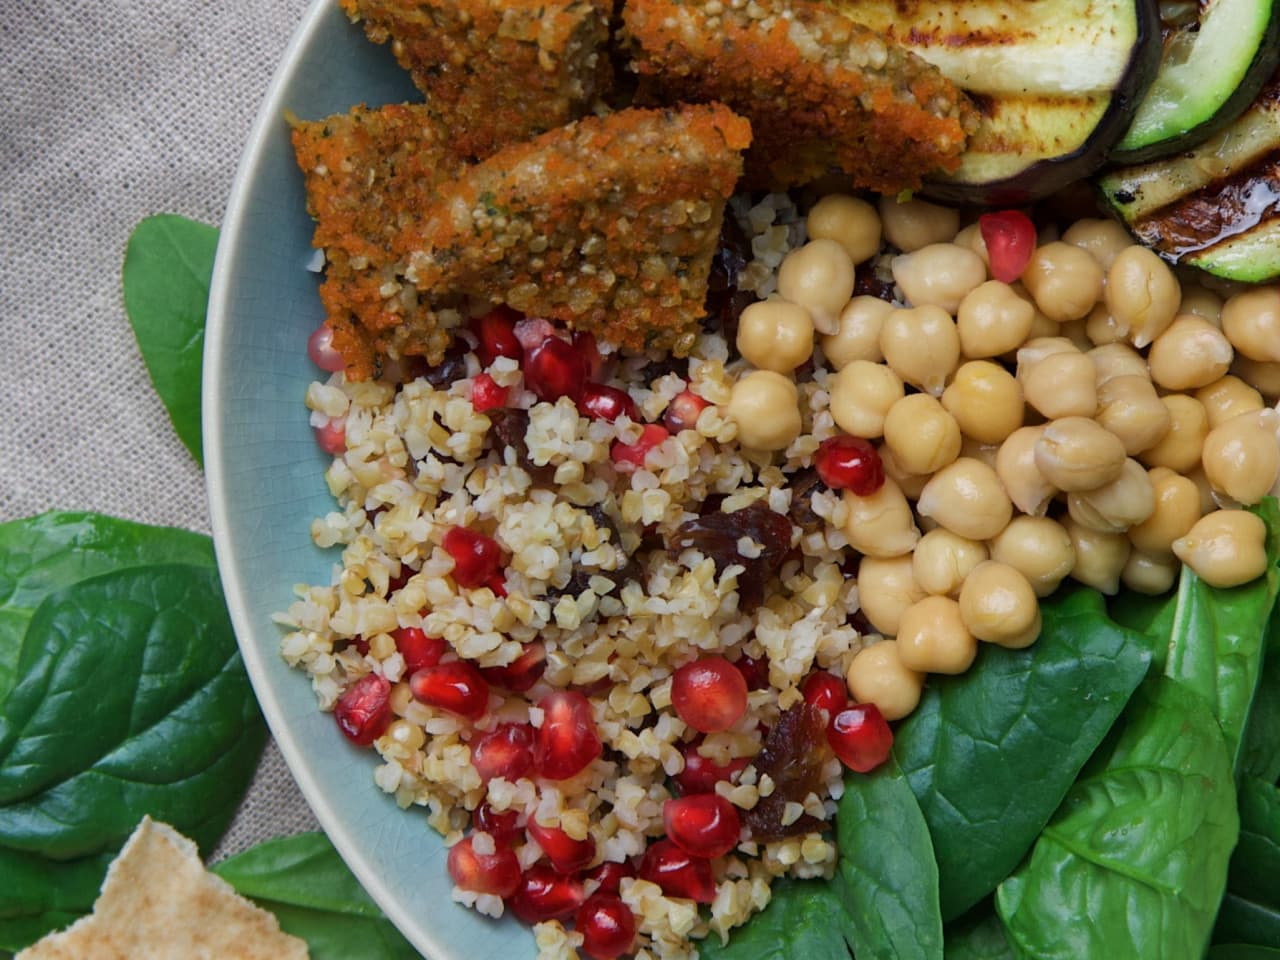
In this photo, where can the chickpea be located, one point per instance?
(921, 346)
(1191, 353)
(850, 222)
(819, 277)
(992, 320)
(886, 587)
(1228, 397)
(1060, 385)
(941, 274)
(877, 675)
(765, 406)
(1102, 328)
(1179, 449)
(1116, 506)
(1103, 239)
(1150, 575)
(911, 484)
(880, 525)
(966, 498)
(933, 639)
(1225, 548)
(1176, 509)
(1100, 557)
(1203, 303)
(984, 452)
(916, 223)
(971, 237)
(1130, 408)
(1242, 458)
(1208, 498)
(1020, 475)
(1262, 376)
(1075, 453)
(1041, 326)
(1251, 321)
(1118, 360)
(942, 560)
(1040, 348)
(1065, 281)
(999, 606)
(923, 436)
(1142, 293)
(1038, 548)
(1076, 331)
(861, 394)
(775, 335)
(985, 400)
(859, 335)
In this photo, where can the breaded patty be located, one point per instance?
(821, 92)
(496, 71)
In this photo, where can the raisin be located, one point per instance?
(725, 302)
(716, 535)
(873, 279)
(508, 426)
(803, 486)
(449, 370)
(793, 756)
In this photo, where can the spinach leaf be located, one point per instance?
(990, 754)
(41, 554)
(1255, 865)
(979, 938)
(1260, 752)
(168, 264)
(804, 918)
(1137, 855)
(1242, 951)
(886, 876)
(303, 881)
(42, 895)
(1243, 921)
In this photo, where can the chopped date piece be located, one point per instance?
(452, 368)
(803, 485)
(716, 535)
(872, 278)
(793, 756)
(508, 427)
(725, 302)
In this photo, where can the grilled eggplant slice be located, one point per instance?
(1216, 57)
(1216, 207)
(1056, 82)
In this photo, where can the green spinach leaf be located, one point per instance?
(1242, 921)
(1137, 855)
(990, 754)
(168, 264)
(978, 938)
(1260, 752)
(1242, 951)
(805, 918)
(42, 895)
(1255, 865)
(303, 881)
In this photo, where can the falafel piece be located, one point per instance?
(607, 225)
(497, 71)
(821, 92)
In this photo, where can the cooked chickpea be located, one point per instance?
(1020, 475)
(1065, 281)
(941, 274)
(1191, 353)
(1242, 457)
(1116, 506)
(1100, 557)
(1179, 449)
(1076, 331)
(880, 525)
(923, 436)
(998, 605)
(921, 346)
(971, 237)
(985, 452)
(985, 400)
(992, 320)
(1208, 498)
(966, 498)
(1251, 321)
(775, 335)
(1176, 509)
(1103, 239)
(1060, 385)
(933, 639)
(877, 675)
(1075, 453)
(909, 483)
(859, 335)
(1039, 348)
(819, 277)
(1101, 327)
(1150, 575)
(1118, 360)
(850, 222)
(1130, 408)
(1262, 376)
(765, 406)
(1038, 548)
(1041, 326)
(1142, 293)
(886, 587)
(942, 560)
(1228, 397)
(916, 223)
(1203, 303)
(861, 394)
(1225, 548)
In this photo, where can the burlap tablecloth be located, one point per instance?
(113, 111)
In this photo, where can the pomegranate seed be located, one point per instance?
(860, 737)
(755, 672)
(486, 394)
(603, 402)
(496, 335)
(546, 895)
(417, 648)
(825, 690)
(565, 853)
(321, 350)
(501, 826)
(477, 559)
(332, 437)
(497, 873)
(531, 333)
(567, 741)
(703, 825)
(522, 672)
(849, 463)
(584, 342)
(456, 686)
(683, 411)
(506, 751)
(709, 695)
(701, 775)
(554, 370)
(364, 710)
(1010, 237)
(607, 925)
(629, 456)
(610, 874)
(677, 873)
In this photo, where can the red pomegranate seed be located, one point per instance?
(496, 333)
(531, 333)
(860, 737)
(496, 873)
(703, 825)
(610, 874)
(501, 826)
(629, 456)
(584, 342)
(565, 853)
(607, 925)
(678, 873)
(567, 741)
(554, 370)
(701, 775)
(709, 695)
(603, 402)
(418, 649)
(522, 672)
(321, 350)
(683, 411)
(364, 710)
(505, 751)
(755, 672)
(486, 394)
(849, 463)
(456, 687)
(545, 894)
(825, 690)
(1010, 237)
(332, 437)
(477, 559)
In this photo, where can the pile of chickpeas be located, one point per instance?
(1095, 419)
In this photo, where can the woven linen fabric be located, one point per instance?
(115, 110)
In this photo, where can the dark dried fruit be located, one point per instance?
(453, 367)
(873, 278)
(725, 302)
(508, 428)
(716, 535)
(793, 757)
(803, 486)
